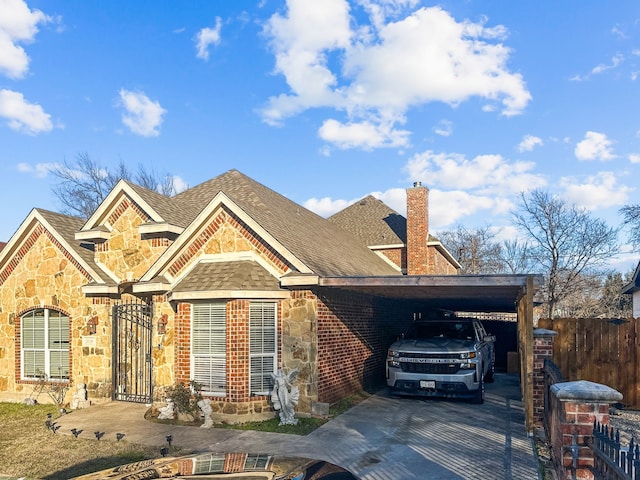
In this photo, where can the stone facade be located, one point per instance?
(45, 275)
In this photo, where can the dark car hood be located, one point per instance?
(225, 466)
(434, 345)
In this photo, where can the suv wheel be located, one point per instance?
(479, 398)
(490, 376)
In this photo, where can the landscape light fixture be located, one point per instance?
(92, 324)
(162, 324)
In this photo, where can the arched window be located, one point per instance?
(44, 345)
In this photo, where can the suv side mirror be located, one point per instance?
(489, 338)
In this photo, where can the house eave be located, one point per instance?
(387, 247)
(220, 294)
(299, 280)
(151, 287)
(96, 235)
(100, 289)
(159, 228)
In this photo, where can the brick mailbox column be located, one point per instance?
(574, 408)
(542, 348)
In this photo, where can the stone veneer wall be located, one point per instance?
(125, 254)
(44, 275)
(298, 343)
(354, 333)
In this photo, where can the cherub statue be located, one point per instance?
(205, 406)
(285, 396)
(168, 411)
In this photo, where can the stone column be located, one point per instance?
(574, 408)
(542, 348)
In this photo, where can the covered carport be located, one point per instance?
(463, 293)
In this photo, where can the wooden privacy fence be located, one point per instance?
(600, 350)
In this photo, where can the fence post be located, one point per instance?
(542, 348)
(575, 408)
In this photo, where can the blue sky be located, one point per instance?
(329, 101)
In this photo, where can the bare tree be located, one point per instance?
(613, 303)
(567, 244)
(84, 184)
(515, 257)
(476, 250)
(631, 216)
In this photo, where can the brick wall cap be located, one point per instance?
(587, 391)
(543, 332)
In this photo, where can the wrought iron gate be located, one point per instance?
(132, 365)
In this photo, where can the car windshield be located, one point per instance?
(450, 330)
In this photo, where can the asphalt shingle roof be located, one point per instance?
(323, 246)
(373, 222)
(232, 275)
(66, 226)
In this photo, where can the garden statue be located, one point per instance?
(285, 396)
(168, 411)
(205, 406)
(79, 399)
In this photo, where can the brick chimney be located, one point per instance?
(417, 229)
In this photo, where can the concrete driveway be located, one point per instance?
(383, 438)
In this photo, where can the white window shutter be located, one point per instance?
(208, 347)
(262, 346)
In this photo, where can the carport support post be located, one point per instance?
(574, 408)
(542, 349)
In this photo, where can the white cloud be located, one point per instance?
(179, 185)
(39, 170)
(18, 24)
(595, 146)
(325, 207)
(208, 36)
(365, 135)
(376, 72)
(486, 174)
(448, 208)
(142, 115)
(634, 157)
(23, 116)
(529, 142)
(616, 60)
(597, 191)
(603, 67)
(444, 128)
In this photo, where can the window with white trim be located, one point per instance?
(44, 345)
(209, 347)
(262, 346)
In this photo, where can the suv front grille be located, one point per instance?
(433, 368)
(429, 355)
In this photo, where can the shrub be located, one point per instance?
(186, 398)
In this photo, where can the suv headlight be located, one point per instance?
(393, 356)
(468, 355)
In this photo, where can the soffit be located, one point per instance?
(471, 293)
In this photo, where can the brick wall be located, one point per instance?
(417, 229)
(542, 350)
(354, 332)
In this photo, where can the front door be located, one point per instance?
(132, 366)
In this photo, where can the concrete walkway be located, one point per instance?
(382, 438)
